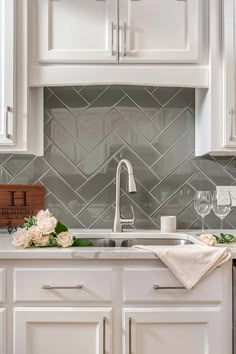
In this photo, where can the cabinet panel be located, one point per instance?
(7, 77)
(2, 331)
(63, 284)
(77, 30)
(2, 285)
(67, 330)
(179, 331)
(139, 285)
(229, 102)
(167, 33)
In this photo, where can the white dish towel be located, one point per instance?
(190, 263)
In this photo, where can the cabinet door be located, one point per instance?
(2, 331)
(229, 101)
(178, 331)
(7, 8)
(159, 31)
(62, 331)
(77, 30)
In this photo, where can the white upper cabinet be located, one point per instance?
(159, 31)
(96, 41)
(229, 74)
(21, 110)
(7, 124)
(77, 30)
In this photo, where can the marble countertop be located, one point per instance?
(8, 251)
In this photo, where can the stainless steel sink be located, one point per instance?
(121, 242)
(155, 242)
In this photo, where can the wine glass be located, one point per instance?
(222, 203)
(203, 204)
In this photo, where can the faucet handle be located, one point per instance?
(129, 221)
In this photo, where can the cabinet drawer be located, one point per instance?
(63, 285)
(2, 285)
(139, 285)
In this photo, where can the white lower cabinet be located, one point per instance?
(171, 330)
(2, 331)
(62, 331)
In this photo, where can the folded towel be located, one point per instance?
(190, 263)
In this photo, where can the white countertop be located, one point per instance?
(8, 251)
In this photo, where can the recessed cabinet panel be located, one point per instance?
(7, 24)
(159, 30)
(77, 30)
(2, 331)
(2, 285)
(62, 330)
(178, 331)
(63, 285)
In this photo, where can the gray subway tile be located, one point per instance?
(64, 167)
(174, 108)
(60, 112)
(32, 172)
(101, 129)
(200, 182)
(90, 93)
(106, 221)
(142, 173)
(164, 94)
(175, 132)
(174, 181)
(63, 192)
(98, 206)
(17, 163)
(138, 143)
(174, 157)
(5, 177)
(63, 140)
(142, 197)
(62, 214)
(213, 170)
(143, 99)
(176, 204)
(142, 221)
(137, 118)
(100, 155)
(101, 106)
(71, 98)
(99, 181)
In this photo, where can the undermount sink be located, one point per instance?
(123, 240)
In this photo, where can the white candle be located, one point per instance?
(168, 223)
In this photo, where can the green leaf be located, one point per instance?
(82, 243)
(225, 238)
(60, 228)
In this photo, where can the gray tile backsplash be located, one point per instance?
(89, 129)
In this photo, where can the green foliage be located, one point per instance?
(224, 238)
(82, 243)
(60, 228)
(30, 221)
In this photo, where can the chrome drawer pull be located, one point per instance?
(104, 336)
(130, 336)
(158, 287)
(8, 110)
(53, 287)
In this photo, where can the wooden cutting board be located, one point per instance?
(18, 201)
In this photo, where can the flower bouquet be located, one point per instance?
(44, 230)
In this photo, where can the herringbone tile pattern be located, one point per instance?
(89, 129)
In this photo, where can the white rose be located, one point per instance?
(21, 239)
(42, 214)
(47, 225)
(208, 239)
(35, 233)
(65, 239)
(42, 241)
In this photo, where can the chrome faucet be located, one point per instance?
(118, 221)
